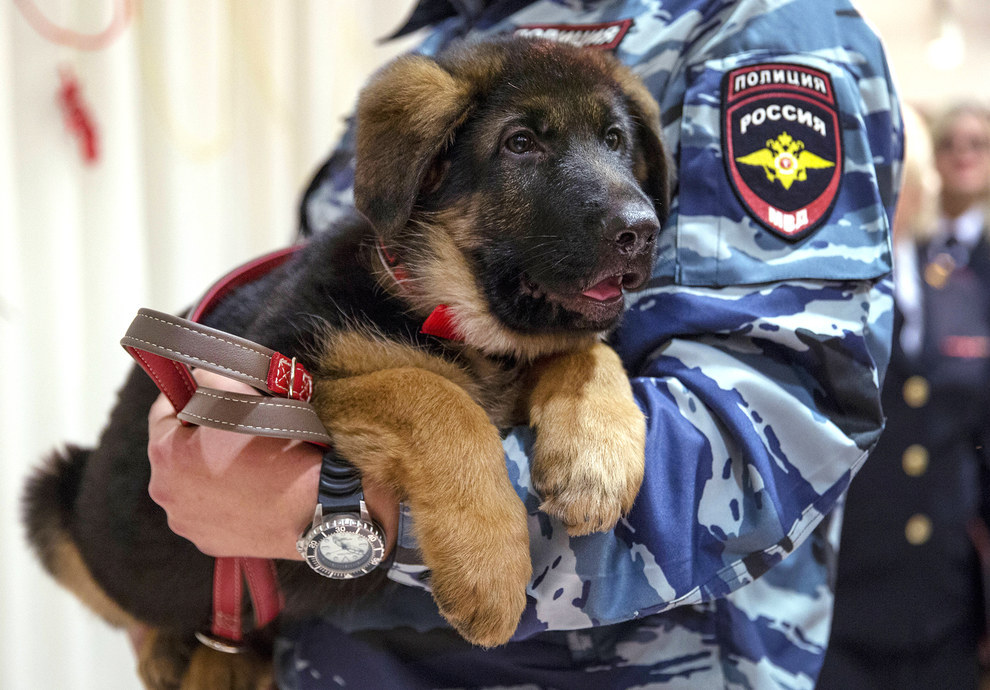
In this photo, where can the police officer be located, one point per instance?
(909, 600)
(755, 351)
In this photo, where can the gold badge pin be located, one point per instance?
(938, 270)
(916, 391)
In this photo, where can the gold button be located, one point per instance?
(916, 391)
(918, 529)
(937, 272)
(915, 460)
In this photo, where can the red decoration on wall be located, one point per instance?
(123, 10)
(78, 119)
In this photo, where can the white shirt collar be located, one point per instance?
(968, 226)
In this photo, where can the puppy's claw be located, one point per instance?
(588, 485)
(586, 511)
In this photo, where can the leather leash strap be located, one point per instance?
(165, 346)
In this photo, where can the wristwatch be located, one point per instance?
(344, 542)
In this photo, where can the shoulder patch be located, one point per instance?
(604, 36)
(781, 144)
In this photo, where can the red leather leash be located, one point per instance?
(281, 376)
(177, 383)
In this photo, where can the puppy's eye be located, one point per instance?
(520, 142)
(613, 139)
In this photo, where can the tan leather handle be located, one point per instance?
(192, 344)
(255, 414)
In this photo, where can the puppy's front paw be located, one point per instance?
(480, 563)
(589, 476)
(588, 465)
(590, 439)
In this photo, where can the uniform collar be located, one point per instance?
(429, 12)
(967, 228)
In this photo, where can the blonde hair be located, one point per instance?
(919, 178)
(942, 124)
(941, 129)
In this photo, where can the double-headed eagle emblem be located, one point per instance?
(785, 159)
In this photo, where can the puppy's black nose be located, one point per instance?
(633, 228)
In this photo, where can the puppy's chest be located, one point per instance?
(499, 388)
(498, 385)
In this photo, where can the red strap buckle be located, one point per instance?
(289, 378)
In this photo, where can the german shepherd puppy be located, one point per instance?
(519, 183)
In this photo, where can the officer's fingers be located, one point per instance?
(166, 433)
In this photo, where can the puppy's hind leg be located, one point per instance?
(423, 436)
(48, 502)
(210, 669)
(163, 659)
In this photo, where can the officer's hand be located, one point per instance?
(234, 494)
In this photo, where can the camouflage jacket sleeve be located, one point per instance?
(758, 348)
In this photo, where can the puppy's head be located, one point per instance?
(522, 183)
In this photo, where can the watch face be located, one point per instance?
(344, 547)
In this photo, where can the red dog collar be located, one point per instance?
(440, 322)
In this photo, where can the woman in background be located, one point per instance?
(909, 602)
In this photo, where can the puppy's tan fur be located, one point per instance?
(422, 426)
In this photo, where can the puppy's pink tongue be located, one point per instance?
(610, 288)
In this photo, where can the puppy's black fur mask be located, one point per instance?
(520, 183)
(561, 209)
(558, 168)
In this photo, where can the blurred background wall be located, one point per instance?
(147, 147)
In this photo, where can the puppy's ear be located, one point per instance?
(406, 117)
(652, 166)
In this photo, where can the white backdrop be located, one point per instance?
(209, 117)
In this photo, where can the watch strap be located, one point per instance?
(340, 485)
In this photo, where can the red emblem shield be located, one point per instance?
(782, 145)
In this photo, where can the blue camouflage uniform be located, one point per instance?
(756, 351)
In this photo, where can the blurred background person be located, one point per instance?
(909, 601)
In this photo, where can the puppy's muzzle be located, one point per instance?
(632, 226)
